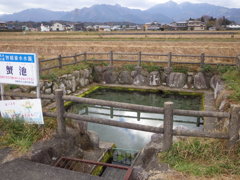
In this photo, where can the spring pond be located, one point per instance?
(133, 139)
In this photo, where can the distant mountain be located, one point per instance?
(116, 13)
(187, 10)
(163, 13)
(36, 14)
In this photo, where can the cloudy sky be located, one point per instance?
(11, 6)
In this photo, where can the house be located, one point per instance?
(25, 28)
(69, 27)
(196, 25)
(44, 28)
(132, 28)
(102, 28)
(79, 27)
(212, 28)
(179, 26)
(233, 27)
(57, 27)
(3, 26)
(152, 26)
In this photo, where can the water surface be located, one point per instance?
(133, 139)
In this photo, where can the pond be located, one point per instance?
(133, 139)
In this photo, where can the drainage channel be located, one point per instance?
(114, 171)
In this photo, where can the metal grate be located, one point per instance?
(85, 166)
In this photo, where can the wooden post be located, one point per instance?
(111, 112)
(85, 56)
(234, 125)
(169, 59)
(139, 59)
(138, 115)
(202, 57)
(111, 58)
(75, 58)
(238, 62)
(60, 61)
(168, 125)
(86, 110)
(60, 110)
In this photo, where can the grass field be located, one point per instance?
(51, 44)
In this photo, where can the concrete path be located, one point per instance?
(21, 169)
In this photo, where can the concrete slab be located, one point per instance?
(21, 169)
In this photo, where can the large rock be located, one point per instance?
(165, 74)
(94, 138)
(214, 80)
(154, 78)
(125, 77)
(98, 73)
(140, 80)
(200, 81)
(176, 80)
(110, 76)
(218, 89)
(74, 84)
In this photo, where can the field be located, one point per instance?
(51, 44)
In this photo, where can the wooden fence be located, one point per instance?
(138, 58)
(168, 111)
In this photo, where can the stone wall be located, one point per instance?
(141, 77)
(221, 97)
(70, 83)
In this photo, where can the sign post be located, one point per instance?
(2, 91)
(20, 69)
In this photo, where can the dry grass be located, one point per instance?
(52, 44)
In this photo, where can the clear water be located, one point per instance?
(133, 139)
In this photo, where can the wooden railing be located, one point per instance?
(138, 58)
(168, 111)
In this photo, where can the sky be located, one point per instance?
(12, 6)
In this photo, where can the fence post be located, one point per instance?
(169, 59)
(60, 110)
(111, 58)
(139, 59)
(168, 125)
(85, 56)
(60, 61)
(234, 125)
(75, 58)
(238, 62)
(202, 57)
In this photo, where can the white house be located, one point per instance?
(57, 27)
(44, 28)
(233, 26)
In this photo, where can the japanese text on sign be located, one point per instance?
(18, 68)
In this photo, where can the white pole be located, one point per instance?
(38, 83)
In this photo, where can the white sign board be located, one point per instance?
(30, 110)
(18, 68)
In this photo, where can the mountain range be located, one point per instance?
(163, 13)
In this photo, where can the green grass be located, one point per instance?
(203, 157)
(232, 80)
(20, 136)
(53, 74)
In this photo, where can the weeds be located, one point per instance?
(151, 67)
(232, 80)
(20, 136)
(203, 157)
(55, 73)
